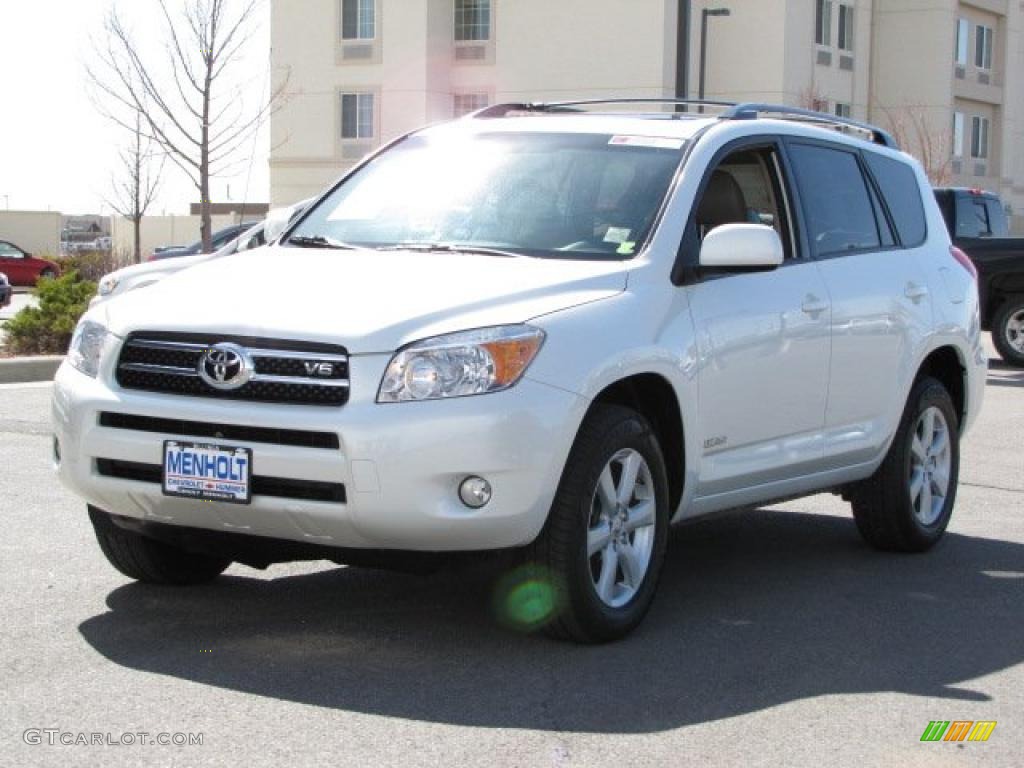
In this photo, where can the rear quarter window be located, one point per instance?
(898, 184)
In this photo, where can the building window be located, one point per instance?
(358, 19)
(983, 47)
(823, 22)
(963, 32)
(843, 110)
(979, 137)
(472, 20)
(466, 103)
(958, 134)
(357, 116)
(845, 40)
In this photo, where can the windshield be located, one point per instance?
(535, 194)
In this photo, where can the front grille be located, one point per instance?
(277, 487)
(284, 371)
(294, 437)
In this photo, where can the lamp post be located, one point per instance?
(704, 43)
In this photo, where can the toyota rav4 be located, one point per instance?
(552, 329)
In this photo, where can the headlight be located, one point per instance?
(107, 285)
(460, 364)
(87, 346)
(3, 279)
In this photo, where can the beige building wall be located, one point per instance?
(38, 232)
(899, 71)
(160, 231)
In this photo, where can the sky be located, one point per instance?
(56, 151)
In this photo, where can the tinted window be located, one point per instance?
(997, 218)
(972, 218)
(898, 183)
(838, 213)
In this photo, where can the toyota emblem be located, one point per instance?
(226, 366)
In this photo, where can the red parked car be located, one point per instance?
(21, 267)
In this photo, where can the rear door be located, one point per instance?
(881, 308)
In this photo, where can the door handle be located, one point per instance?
(813, 306)
(915, 292)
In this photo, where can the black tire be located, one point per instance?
(883, 506)
(47, 273)
(561, 549)
(1001, 332)
(149, 560)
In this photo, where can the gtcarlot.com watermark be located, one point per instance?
(54, 737)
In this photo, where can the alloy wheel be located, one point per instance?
(620, 536)
(931, 463)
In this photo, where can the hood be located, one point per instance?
(368, 301)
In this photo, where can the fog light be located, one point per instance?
(475, 492)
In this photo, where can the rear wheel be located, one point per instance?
(906, 505)
(149, 560)
(1008, 330)
(604, 541)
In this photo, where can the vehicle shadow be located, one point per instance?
(1002, 374)
(754, 610)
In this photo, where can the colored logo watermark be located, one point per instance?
(958, 730)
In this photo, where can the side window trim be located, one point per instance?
(868, 188)
(880, 206)
(900, 245)
(684, 270)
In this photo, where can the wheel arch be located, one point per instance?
(947, 365)
(653, 396)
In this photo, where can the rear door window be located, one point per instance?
(998, 224)
(838, 213)
(902, 195)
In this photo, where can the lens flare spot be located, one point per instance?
(526, 599)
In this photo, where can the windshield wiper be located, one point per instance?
(449, 248)
(319, 241)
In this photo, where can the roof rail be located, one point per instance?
(502, 110)
(751, 110)
(731, 111)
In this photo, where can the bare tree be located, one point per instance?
(811, 98)
(931, 146)
(188, 99)
(137, 181)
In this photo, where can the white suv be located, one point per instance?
(546, 329)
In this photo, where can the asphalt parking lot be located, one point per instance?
(777, 638)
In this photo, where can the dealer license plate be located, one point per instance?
(207, 472)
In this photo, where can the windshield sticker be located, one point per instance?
(626, 249)
(658, 142)
(617, 235)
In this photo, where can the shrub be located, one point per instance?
(90, 265)
(46, 329)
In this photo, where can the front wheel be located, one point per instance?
(151, 561)
(47, 273)
(604, 541)
(906, 505)
(1008, 331)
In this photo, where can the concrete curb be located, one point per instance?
(20, 370)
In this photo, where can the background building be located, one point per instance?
(947, 76)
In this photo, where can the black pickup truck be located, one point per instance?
(977, 223)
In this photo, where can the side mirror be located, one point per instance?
(741, 246)
(276, 223)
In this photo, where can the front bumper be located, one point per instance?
(5, 295)
(401, 464)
